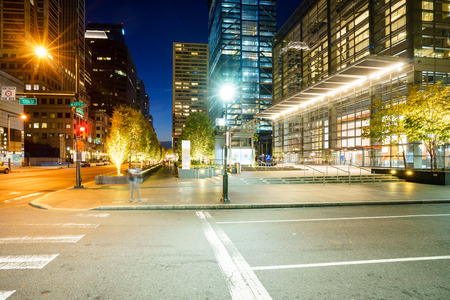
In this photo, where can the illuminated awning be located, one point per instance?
(356, 74)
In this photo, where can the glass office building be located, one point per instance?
(240, 44)
(333, 58)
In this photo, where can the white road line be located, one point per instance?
(94, 215)
(35, 240)
(25, 261)
(357, 262)
(5, 294)
(22, 197)
(240, 278)
(65, 225)
(333, 219)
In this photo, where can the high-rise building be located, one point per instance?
(333, 58)
(189, 84)
(58, 27)
(114, 75)
(142, 99)
(240, 47)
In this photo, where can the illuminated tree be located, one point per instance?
(421, 116)
(387, 123)
(427, 117)
(118, 140)
(199, 131)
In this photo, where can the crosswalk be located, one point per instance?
(27, 261)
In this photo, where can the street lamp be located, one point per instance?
(227, 94)
(42, 52)
(23, 117)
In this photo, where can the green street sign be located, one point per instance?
(28, 101)
(79, 111)
(77, 104)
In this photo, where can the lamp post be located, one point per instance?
(227, 93)
(23, 117)
(42, 52)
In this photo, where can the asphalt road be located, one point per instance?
(366, 252)
(18, 188)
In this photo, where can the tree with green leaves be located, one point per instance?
(427, 117)
(423, 115)
(131, 137)
(118, 139)
(387, 123)
(198, 129)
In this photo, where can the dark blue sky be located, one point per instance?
(151, 26)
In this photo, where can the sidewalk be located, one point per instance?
(162, 190)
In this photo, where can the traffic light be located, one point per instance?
(82, 132)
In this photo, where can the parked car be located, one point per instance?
(100, 163)
(4, 169)
(85, 164)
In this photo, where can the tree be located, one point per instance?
(387, 123)
(427, 117)
(422, 116)
(199, 131)
(118, 140)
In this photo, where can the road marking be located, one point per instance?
(35, 240)
(25, 261)
(356, 262)
(95, 215)
(65, 225)
(5, 294)
(333, 219)
(240, 278)
(22, 197)
(14, 193)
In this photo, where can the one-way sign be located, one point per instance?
(8, 93)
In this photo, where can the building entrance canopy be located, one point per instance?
(347, 79)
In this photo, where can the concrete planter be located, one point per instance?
(111, 179)
(199, 173)
(420, 176)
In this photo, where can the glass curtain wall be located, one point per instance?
(240, 40)
(326, 37)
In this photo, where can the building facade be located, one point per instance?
(240, 53)
(333, 58)
(114, 75)
(11, 125)
(189, 84)
(57, 26)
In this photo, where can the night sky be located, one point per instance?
(151, 26)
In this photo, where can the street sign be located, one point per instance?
(77, 104)
(28, 101)
(79, 111)
(80, 145)
(8, 93)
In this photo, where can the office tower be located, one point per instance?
(333, 59)
(240, 47)
(142, 99)
(189, 84)
(58, 27)
(114, 75)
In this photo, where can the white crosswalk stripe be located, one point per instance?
(5, 294)
(46, 239)
(16, 262)
(93, 215)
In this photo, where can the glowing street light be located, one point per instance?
(227, 94)
(40, 51)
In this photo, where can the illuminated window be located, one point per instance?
(35, 125)
(44, 125)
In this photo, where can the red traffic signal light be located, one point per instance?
(81, 132)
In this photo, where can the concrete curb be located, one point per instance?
(265, 206)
